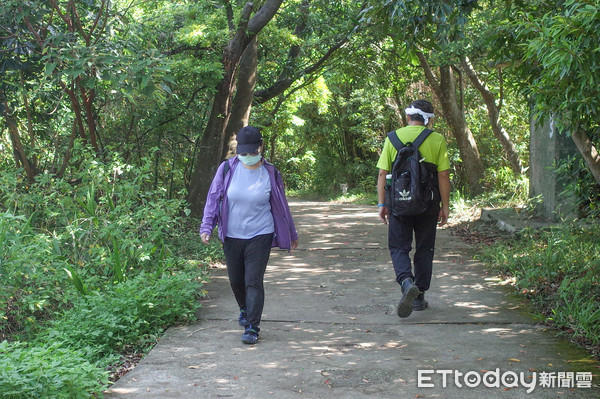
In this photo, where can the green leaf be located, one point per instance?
(49, 68)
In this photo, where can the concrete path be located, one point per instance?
(330, 330)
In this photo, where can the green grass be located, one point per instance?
(558, 269)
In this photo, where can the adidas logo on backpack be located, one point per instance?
(414, 182)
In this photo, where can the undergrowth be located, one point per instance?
(90, 269)
(558, 269)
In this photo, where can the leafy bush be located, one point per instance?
(29, 371)
(127, 315)
(559, 270)
(103, 230)
(579, 184)
(89, 271)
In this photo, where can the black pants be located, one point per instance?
(400, 238)
(246, 266)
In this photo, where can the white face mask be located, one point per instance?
(249, 159)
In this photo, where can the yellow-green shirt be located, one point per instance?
(433, 149)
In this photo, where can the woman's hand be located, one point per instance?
(205, 237)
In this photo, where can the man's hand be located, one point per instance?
(443, 216)
(383, 214)
(205, 237)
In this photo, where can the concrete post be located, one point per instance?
(547, 147)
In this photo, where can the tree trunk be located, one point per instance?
(18, 148)
(87, 98)
(494, 115)
(588, 151)
(445, 90)
(242, 103)
(210, 148)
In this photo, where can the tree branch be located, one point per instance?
(95, 24)
(262, 17)
(588, 151)
(229, 12)
(429, 75)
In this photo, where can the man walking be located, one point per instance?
(401, 228)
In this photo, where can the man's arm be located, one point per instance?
(444, 186)
(383, 211)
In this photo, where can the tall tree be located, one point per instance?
(210, 146)
(562, 58)
(494, 116)
(445, 90)
(57, 56)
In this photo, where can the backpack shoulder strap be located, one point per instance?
(396, 142)
(225, 168)
(421, 138)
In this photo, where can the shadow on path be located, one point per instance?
(330, 330)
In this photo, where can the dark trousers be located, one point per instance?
(246, 266)
(400, 238)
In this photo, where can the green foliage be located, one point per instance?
(50, 371)
(579, 184)
(559, 270)
(505, 188)
(126, 315)
(560, 46)
(88, 271)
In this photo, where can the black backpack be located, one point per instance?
(413, 187)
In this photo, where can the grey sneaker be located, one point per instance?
(420, 303)
(409, 292)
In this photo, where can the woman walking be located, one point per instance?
(247, 201)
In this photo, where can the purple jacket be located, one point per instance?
(216, 211)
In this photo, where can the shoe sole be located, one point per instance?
(405, 307)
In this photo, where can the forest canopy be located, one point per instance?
(325, 80)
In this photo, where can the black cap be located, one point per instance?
(248, 140)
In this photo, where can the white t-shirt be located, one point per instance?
(248, 198)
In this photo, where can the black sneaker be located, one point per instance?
(242, 317)
(250, 335)
(409, 292)
(420, 303)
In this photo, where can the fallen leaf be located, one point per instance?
(194, 367)
(480, 358)
(514, 360)
(550, 364)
